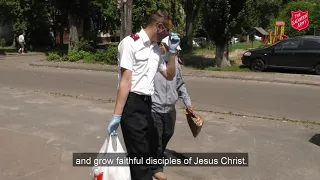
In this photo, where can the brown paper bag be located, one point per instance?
(195, 122)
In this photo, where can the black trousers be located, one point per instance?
(164, 125)
(139, 134)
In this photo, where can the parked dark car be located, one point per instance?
(301, 53)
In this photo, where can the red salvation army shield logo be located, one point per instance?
(299, 19)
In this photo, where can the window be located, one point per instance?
(310, 45)
(290, 45)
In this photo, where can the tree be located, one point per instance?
(103, 16)
(143, 9)
(285, 15)
(90, 16)
(191, 8)
(268, 9)
(12, 14)
(222, 20)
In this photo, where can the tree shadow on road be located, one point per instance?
(197, 61)
(315, 139)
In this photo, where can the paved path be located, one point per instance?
(222, 95)
(39, 132)
(40, 126)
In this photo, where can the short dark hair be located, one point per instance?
(159, 16)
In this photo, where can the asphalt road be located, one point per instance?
(39, 132)
(246, 97)
(50, 128)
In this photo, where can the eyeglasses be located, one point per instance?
(165, 30)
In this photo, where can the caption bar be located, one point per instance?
(181, 159)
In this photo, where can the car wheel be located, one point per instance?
(317, 69)
(257, 65)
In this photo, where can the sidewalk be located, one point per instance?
(39, 132)
(266, 77)
(18, 54)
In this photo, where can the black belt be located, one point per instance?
(143, 97)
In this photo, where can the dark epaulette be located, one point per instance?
(134, 36)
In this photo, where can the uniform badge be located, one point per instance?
(134, 36)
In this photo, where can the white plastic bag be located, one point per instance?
(111, 172)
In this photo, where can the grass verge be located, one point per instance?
(233, 68)
(238, 46)
(244, 46)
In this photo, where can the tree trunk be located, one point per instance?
(13, 45)
(126, 19)
(61, 34)
(189, 23)
(94, 31)
(73, 34)
(87, 33)
(123, 25)
(55, 32)
(222, 54)
(129, 18)
(189, 33)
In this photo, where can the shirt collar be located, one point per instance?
(144, 36)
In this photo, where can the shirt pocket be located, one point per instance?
(154, 64)
(141, 59)
(142, 55)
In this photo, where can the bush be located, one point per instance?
(74, 56)
(85, 45)
(53, 56)
(285, 15)
(108, 56)
(2, 42)
(111, 55)
(84, 54)
(99, 56)
(64, 57)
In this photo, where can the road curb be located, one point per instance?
(105, 69)
(20, 55)
(261, 79)
(218, 76)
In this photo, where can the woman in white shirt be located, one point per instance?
(21, 43)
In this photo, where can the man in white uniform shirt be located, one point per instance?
(139, 59)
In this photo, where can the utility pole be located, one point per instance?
(125, 7)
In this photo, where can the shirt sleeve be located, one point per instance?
(125, 54)
(181, 87)
(162, 65)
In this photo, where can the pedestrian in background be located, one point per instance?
(139, 59)
(21, 42)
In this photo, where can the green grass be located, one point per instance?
(244, 45)
(211, 50)
(203, 51)
(234, 68)
(7, 49)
